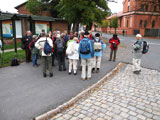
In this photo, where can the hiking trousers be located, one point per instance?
(47, 60)
(28, 55)
(88, 63)
(73, 64)
(111, 54)
(136, 64)
(97, 61)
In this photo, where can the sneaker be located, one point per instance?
(51, 75)
(44, 75)
(97, 70)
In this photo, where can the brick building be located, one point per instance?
(57, 24)
(138, 16)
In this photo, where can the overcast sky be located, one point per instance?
(8, 5)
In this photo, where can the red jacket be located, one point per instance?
(114, 41)
(53, 44)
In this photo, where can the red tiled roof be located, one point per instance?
(119, 14)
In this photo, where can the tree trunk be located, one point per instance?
(76, 27)
(115, 30)
(89, 27)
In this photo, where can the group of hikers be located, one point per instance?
(82, 50)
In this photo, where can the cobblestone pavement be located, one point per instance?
(124, 97)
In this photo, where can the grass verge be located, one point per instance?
(6, 47)
(6, 58)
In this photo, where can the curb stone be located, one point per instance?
(52, 113)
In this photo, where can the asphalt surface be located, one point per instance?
(25, 94)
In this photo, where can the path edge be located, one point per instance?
(72, 101)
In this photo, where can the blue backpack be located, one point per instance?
(85, 46)
(47, 48)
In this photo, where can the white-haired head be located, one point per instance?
(139, 35)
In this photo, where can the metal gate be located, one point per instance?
(152, 32)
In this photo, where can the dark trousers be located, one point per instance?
(28, 55)
(61, 60)
(53, 58)
(111, 54)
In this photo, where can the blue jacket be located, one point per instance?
(100, 52)
(91, 54)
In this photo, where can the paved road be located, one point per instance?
(25, 94)
(124, 97)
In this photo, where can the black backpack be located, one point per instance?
(60, 46)
(145, 47)
(14, 62)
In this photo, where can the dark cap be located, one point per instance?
(97, 35)
(86, 33)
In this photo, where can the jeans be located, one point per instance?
(34, 59)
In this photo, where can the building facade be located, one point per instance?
(138, 16)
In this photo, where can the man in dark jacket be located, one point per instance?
(114, 41)
(26, 40)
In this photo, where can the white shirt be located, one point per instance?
(40, 44)
(74, 46)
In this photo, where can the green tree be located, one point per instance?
(83, 11)
(114, 23)
(37, 6)
(34, 7)
(105, 24)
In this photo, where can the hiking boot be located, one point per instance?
(51, 75)
(44, 75)
(93, 70)
(97, 70)
(75, 73)
(64, 69)
(69, 73)
(83, 79)
(89, 78)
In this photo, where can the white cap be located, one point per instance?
(139, 35)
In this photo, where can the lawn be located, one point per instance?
(6, 47)
(5, 58)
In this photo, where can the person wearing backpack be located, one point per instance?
(34, 51)
(26, 41)
(114, 41)
(86, 53)
(99, 46)
(45, 44)
(137, 54)
(60, 51)
(73, 55)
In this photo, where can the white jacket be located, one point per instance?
(74, 47)
(40, 44)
